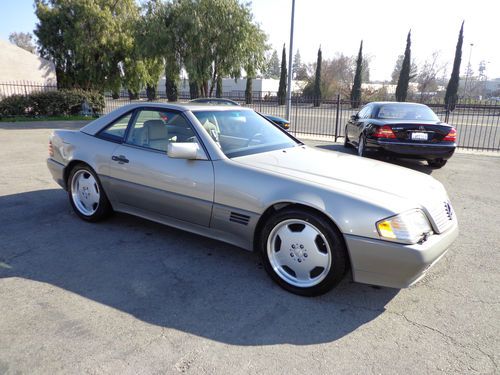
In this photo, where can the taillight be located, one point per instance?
(384, 132)
(451, 136)
(51, 149)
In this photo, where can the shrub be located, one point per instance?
(51, 103)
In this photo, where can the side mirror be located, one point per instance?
(354, 117)
(185, 150)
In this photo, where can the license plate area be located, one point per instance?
(418, 136)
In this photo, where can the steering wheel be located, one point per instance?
(256, 135)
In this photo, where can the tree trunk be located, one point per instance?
(218, 90)
(193, 90)
(248, 91)
(151, 92)
(171, 90)
(133, 95)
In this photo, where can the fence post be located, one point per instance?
(337, 118)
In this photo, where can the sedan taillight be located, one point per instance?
(51, 149)
(451, 136)
(384, 132)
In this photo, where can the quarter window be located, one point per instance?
(116, 131)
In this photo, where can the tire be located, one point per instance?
(362, 146)
(86, 195)
(302, 251)
(437, 163)
(346, 139)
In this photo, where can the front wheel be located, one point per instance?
(436, 163)
(303, 252)
(346, 139)
(86, 194)
(362, 146)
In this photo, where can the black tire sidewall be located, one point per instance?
(332, 235)
(104, 208)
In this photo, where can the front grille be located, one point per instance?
(442, 215)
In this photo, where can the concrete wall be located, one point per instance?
(17, 65)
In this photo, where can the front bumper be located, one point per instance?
(427, 151)
(396, 265)
(57, 171)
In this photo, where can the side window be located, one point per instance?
(156, 129)
(361, 114)
(116, 131)
(368, 112)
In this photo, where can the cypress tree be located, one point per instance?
(356, 86)
(317, 80)
(282, 86)
(404, 75)
(451, 96)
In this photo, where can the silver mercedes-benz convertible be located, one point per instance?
(230, 174)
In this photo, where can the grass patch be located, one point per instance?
(47, 118)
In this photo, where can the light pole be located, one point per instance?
(468, 70)
(289, 86)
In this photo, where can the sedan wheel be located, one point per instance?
(86, 195)
(361, 146)
(303, 252)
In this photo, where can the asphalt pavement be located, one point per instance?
(128, 296)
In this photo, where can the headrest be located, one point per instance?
(156, 129)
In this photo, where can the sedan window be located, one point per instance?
(116, 131)
(406, 112)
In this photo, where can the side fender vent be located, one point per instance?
(239, 218)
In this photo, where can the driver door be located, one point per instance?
(146, 180)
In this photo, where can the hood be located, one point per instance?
(335, 170)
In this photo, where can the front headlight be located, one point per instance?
(409, 227)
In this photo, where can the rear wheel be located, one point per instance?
(86, 194)
(362, 146)
(303, 252)
(437, 163)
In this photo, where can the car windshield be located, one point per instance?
(243, 132)
(406, 112)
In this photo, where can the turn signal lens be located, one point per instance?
(384, 132)
(409, 227)
(451, 136)
(51, 149)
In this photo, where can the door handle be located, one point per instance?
(120, 159)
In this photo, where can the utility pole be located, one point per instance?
(468, 70)
(289, 86)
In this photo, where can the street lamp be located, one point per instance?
(289, 88)
(468, 70)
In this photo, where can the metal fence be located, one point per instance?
(477, 122)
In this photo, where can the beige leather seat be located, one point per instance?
(155, 135)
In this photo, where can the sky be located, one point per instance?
(339, 26)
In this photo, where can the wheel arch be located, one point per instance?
(287, 204)
(69, 168)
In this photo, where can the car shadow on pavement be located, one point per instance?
(418, 165)
(171, 278)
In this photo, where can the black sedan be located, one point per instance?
(407, 130)
(285, 124)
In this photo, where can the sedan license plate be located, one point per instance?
(419, 136)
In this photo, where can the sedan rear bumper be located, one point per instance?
(413, 150)
(57, 171)
(395, 265)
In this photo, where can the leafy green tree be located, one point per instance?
(451, 95)
(404, 75)
(283, 76)
(356, 86)
(272, 66)
(86, 40)
(317, 80)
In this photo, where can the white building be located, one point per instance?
(232, 87)
(18, 65)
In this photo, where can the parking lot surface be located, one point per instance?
(128, 296)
